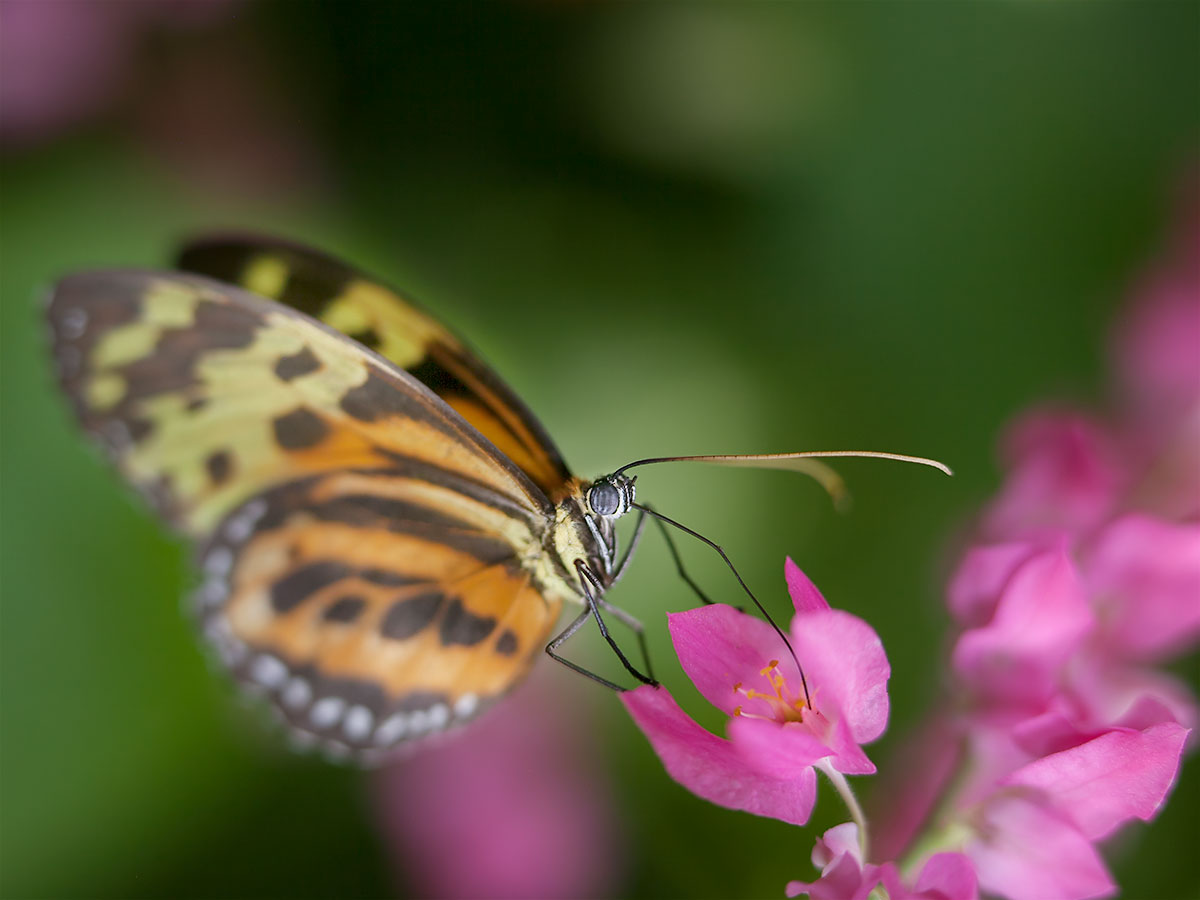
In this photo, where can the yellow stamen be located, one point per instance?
(779, 698)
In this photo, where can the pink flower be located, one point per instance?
(1066, 473)
(945, 876)
(1143, 575)
(1059, 729)
(1039, 620)
(1032, 835)
(515, 806)
(777, 732)
(1028, 824)
(844, 875)
(1025, 851)
(1060, 648)
(1155, 342)
(1120, 775)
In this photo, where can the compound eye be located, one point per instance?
(604, 498)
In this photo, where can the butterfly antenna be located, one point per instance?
(807, 463)
(741, 581)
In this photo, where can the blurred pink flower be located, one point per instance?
(1143, 577)
(65, 61)
(844, 875)
(1024, 850)
(1155, 343)
(1102, 783)
(1155, 346)
(1060, 648)
(1086, 575)
(1031, 832)
(1028, 823)
(1066, 474)
(516, 806)
(945, 876)
(775, 736)
(1013, 661)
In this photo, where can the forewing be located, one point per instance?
(206, 395)
(373, 607)
(394, 326)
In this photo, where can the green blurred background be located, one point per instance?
(674, 229)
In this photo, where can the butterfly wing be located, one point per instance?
(395, 327)
(373, 607)
(371, 560)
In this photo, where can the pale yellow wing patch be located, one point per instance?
(206, 395)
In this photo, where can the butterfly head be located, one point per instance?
(611, 496)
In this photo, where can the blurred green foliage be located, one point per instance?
(675, 229)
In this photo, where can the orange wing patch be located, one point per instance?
(367, 616)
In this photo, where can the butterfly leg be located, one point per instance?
(563, 636)
(592, 590)
(633, 544)
(634, 625)
(619, 614)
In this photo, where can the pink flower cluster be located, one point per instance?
(783, 727)
(1082, 579)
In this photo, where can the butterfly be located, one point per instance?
(386, 535)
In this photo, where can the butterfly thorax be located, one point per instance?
(584, 532)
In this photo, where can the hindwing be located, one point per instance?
(373, 606)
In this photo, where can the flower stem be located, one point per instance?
(838, 780)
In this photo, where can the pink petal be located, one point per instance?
(805, 596)
(844, 879)
(776, 750)
(1101, 697)
(720, 648)
(848, 756)
(837, 841)
(1110, 779)
(847, 670)
(843, 876)
(710, 767)
(1066, 474)
(947, 876)
(1143, 574)
(981, 577)
(1130, 696)
(1039, 623)
(1029, 852)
